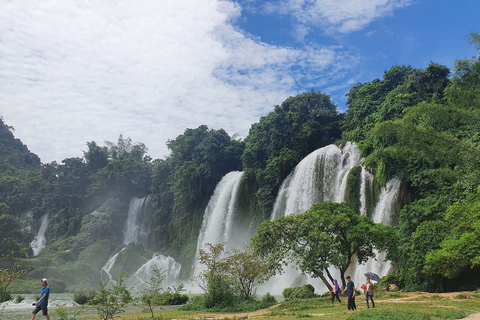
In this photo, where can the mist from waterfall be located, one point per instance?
(219, 215)
(137, 226)
(39, 242)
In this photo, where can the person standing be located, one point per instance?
(42, 303)
(369, 292)
(335, 291)
(351, 294)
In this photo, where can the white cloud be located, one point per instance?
(72, 72)
(336, 16)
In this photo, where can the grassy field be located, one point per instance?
(391, 306)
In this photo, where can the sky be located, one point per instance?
(74, 71)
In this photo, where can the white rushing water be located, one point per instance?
(384, 212)
(39, 242)
(108, 266)
(219, 215)
(169, 268)
(321, 176)
(137, 226)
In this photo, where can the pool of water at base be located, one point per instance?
(11, 310)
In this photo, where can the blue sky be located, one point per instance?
(76, 71)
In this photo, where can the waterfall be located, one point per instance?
(220, 212)
(384, 212)
(38, 243)
(108, 266)
(321, 176)
(167, 265)
(137, 224)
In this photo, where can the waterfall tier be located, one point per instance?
(39, 242)
(137, 226)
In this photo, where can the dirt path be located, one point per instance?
(238, 316)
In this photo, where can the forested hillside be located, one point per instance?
(421, 126)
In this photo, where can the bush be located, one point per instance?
(82, 297)
(304, 292)
(269, 299)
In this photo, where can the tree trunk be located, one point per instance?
(325, 281)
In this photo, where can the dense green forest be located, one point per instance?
(419, 125)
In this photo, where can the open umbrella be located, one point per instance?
(372, 276)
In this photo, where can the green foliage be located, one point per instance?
(10, 269)
(15, 156)
(460, 249)
(111, 301)
(83, 297)
(304, 292)
(151, 298)
(230, 277)
(328, 234)
(281, 139)
(64, 314)
(10, 229)
(247, 270)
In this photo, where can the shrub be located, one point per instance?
(303, 292)
(269, 299)
(82, 297)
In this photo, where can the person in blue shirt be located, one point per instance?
(351, 294)
(42, 303)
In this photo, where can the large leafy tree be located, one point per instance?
(275, 144)
(327, 235)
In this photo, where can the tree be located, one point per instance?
(12, 271)
(96, 156)
(215, 280)
(152, 297)
(248, 270)
(10, 229)
(111, 301)
(328, 234)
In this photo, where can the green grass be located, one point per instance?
(420, 307)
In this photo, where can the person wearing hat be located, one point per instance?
(42, 303)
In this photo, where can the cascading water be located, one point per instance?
(219, 214)
(39, 242)
(384, 212)
(108, 266)
(169, 268)
(321, 176)
(137, 224)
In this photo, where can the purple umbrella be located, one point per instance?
(372, 276)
